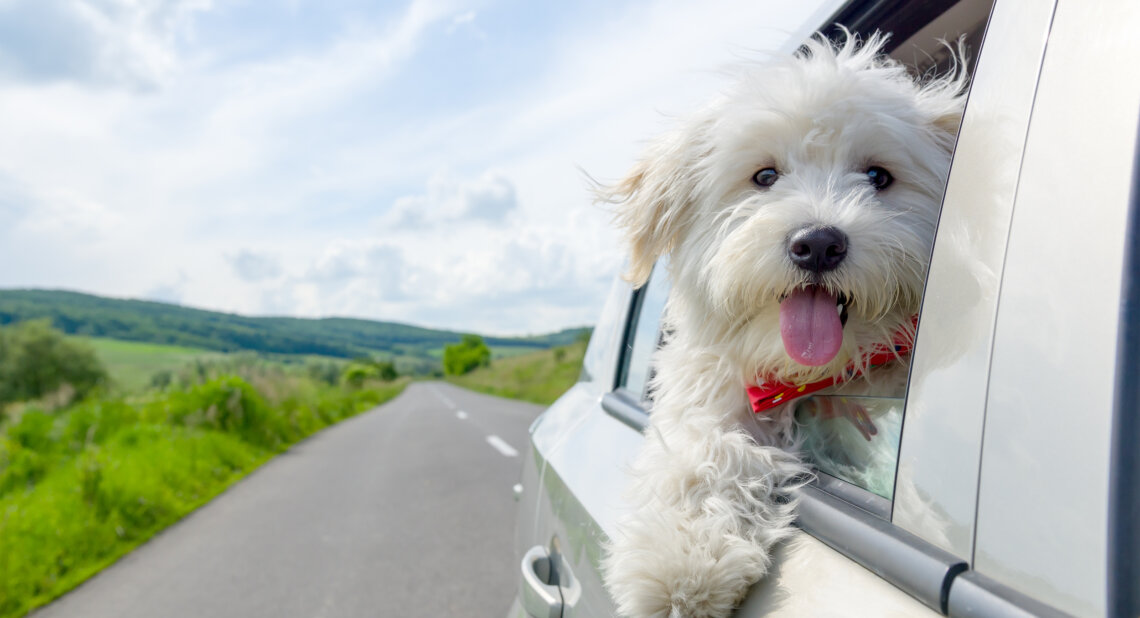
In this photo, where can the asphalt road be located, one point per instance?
(406, 510)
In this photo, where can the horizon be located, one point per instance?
(492, 335)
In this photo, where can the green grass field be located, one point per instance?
(540, 377)
(498, 351)
(132, 364)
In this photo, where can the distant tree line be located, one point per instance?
(134, 320)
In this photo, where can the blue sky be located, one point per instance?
(415, 162)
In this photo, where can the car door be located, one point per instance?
(573, 474)
(1052, 519)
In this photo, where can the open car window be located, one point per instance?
(853, 441)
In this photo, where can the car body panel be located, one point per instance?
(936, 486)
(809, 578)
(1043, 497)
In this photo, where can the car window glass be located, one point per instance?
(645, 331)
(856, 439)
(606, 335)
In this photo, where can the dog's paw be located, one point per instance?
(680, 595)
(656, 574)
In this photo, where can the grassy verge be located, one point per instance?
(540, 377)
(132, 364)
(83, 485)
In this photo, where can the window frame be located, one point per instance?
(618, 401)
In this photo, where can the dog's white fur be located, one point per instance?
(712, 488)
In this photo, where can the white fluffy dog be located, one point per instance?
(798, 211)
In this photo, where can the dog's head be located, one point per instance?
(799, 208)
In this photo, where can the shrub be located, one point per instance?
(327, 372)
(37, 360)
(227, 404)
(466, 355)
(361, 370)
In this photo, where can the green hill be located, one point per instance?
(153, 322)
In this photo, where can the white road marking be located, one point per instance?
(502, 446)
(461, 415)
(443, 398)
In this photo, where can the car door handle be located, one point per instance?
(540, 598)
(549, 588)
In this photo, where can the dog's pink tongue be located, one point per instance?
(809, 324)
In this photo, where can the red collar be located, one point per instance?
(765, 396)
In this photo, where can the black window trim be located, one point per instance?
(620, 402)
(901, 18)
(1124, 474)
(632, 313)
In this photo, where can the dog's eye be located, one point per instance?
(766, 177)
(879, 177)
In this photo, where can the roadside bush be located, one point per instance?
(95, 420)
(162, 379)
(466, 355)
(20, 467)
(37, 360)
(227, 404)
(362, 370)
(328, 372)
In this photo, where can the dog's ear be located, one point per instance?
(947, 116)
(944, 97)
(653, 202)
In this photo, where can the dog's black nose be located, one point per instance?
(818, 249)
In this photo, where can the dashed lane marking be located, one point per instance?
(502, 446)
(461, 415)
(449, 403)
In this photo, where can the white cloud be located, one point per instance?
(104, 42)
(171, 292)
(252, 266)
(489, 198)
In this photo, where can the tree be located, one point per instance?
(36, 359)
(362, 369)
(462, 357)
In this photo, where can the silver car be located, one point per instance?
(1015, 489)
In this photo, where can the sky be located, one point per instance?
(419, 162)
